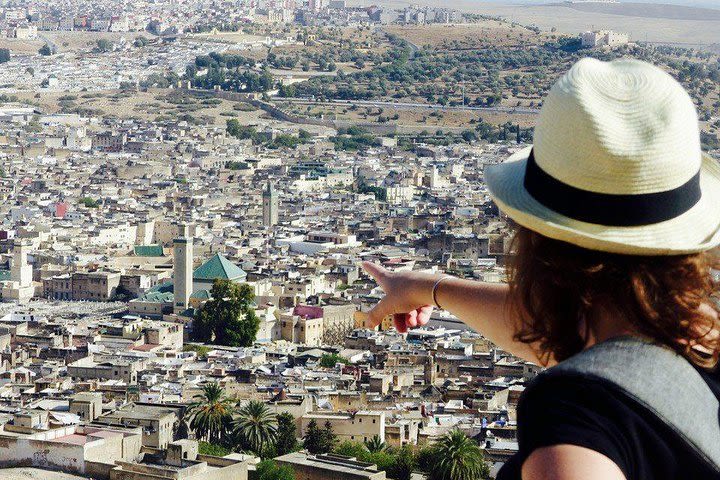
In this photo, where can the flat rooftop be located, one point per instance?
(334, 463)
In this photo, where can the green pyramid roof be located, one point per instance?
(166, 287)
(219, 267)
(201, 294)
(157, 297)
(148, 250)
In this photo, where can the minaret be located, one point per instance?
(270, 206)
(20, 271)
(182, 270)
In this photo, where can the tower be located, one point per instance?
(20, 287)
(270, 206)
(182, 270)
(20, 271)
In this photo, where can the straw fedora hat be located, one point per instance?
(616, 165)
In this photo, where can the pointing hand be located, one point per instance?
(408, 297)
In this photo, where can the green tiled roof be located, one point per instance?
(4, 275)
(148, 250)
(166, 287)
(158, 297)
(219, 267)
(201, 294)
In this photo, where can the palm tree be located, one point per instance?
(375, 444)
(255, 427)
(211, 413)
(457, 457)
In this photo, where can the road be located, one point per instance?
(408, 105)
(49, 41)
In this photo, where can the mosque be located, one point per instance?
(189, 288)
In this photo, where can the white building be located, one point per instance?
(20, 287)
(603, 38)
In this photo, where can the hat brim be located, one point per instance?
(696, 230)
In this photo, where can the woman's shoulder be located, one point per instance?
(560, 400)
(585, 412)
(567, 388)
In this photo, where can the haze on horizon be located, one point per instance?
(687, 3)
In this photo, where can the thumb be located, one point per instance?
(376, 271)
(378, 313)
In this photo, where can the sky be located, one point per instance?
(694, 3)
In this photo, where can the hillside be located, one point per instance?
(649, 10)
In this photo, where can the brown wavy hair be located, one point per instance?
(554, 286)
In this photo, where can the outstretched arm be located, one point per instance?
(482, 306)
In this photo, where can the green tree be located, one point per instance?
(228, 317)
(313, 439)
(103, 45)
(286, 441)
(397, 463)
(468, 136)
(404, 464)
(255, 427)
(46, 50)
(211, 414)
(384, 460)
(352, 449)
(424, 458)
(269, 470)
(236, 130)
(201, 350)
(457, 457)
(205, 448)
(375, 444)
(328, 439)
(329, 360)
(90, 202)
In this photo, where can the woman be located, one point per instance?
(617, 209)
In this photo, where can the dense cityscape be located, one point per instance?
(189, 189)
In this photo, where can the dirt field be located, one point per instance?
(80, 40)
(227, 37)
(16, 46)
(419, 119)
(497, 33)
(36, 474)
(144, 105)
(66, 41)
(156, 105)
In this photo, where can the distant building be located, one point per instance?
(183, 273)
(603, 38)
(25, 32)
(120, 24)
(270, 206)
(20, 287)
(181, 460)
(355, 427)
